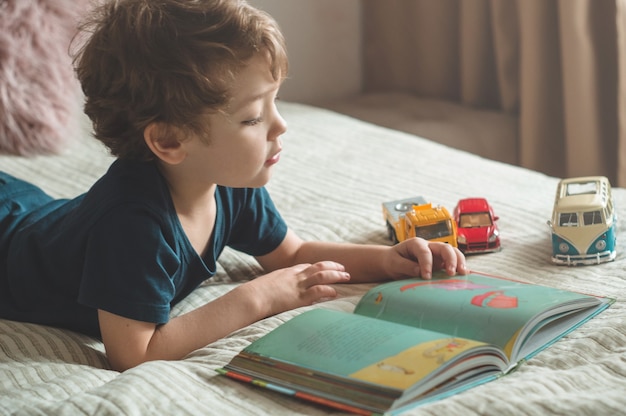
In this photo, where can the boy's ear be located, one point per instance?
(168, 149)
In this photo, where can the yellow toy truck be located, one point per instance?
(414, 217)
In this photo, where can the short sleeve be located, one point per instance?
(256, 226)
(131, 263)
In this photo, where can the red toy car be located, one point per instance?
(477, 229)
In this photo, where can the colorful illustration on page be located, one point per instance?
(413, 364)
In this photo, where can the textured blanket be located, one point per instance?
(332, 178)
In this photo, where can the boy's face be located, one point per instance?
(244, 140)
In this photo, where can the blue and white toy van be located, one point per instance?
(583, 222)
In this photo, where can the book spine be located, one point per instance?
(298, 394)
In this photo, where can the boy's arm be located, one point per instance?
(129, 343)
(366, 263)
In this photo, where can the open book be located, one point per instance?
(409, 342)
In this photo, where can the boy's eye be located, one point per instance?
(253, 122)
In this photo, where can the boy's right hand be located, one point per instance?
(296, 286)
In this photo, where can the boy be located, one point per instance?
(183, 93)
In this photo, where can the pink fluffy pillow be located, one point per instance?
(40, 97)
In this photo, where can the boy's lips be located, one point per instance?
(273, 160)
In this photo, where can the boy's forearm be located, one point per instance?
(189, 332)
(211, 322)
(365, 263)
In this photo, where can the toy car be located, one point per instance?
(583, 222)
(414, 217)
(476, 226)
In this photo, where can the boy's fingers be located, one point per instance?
(324, 273)
(327, 265)
(320, 292)
(328, 277)
(451, 258)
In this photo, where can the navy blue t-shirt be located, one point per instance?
(120, 247)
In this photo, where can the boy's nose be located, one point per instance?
(279, 127)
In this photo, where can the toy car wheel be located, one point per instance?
(391, 234)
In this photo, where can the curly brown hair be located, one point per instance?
(167, 61)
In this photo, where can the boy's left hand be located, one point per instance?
(416, 257)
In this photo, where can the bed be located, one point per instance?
(334, 174)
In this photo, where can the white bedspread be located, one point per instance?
(334, 173)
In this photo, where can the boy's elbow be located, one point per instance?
(119, 367)
(127, 342)
(124, 363)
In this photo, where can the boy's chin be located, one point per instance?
(257, 182)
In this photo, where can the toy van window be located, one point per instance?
(581, 188)
(568, 219)
(593, 217)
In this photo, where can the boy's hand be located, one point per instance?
(418, 257)
(296, 286)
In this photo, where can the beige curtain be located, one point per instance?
(559, 65)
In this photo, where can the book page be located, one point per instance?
(475, 306)
(362, 348)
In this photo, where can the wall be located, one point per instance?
(324, 45)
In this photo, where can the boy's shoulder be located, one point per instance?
(130, 180)
(126, 185)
